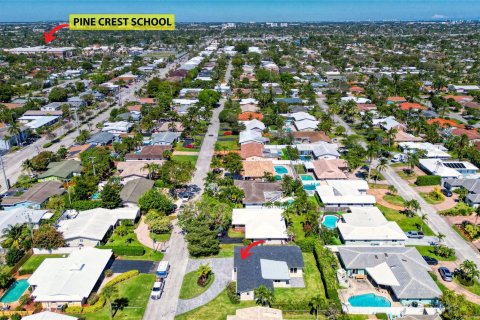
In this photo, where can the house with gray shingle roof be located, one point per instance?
(400, 270)
(270, 266)
(473, 187)
(165, 138)
(101, 138)
(34, 197)
(134, 189)
(61, 171)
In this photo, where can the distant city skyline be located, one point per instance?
(248, 10)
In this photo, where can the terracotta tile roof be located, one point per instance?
(147, 100)
(244, 116)
(330, 168)
(471, 134)
(257, 169)
(136, 107)
(396, 99)
(74, 152)
(13, 105)
(366, 106)
(459, 98)
(356, 89)
(411, 105)
(472, 104)
(445, 122)
(149, 153)
(252, 149)
(403, 136)
(312, 136)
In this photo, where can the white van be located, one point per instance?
(162, 270)
(157, 290)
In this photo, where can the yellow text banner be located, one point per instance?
(122, 22)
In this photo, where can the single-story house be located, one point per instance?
(306, 125)
(345, 193)
(48, 315)
(22, 216)
(388, 123)
(134, 189)
(261, 224)
(402, 136)
(247, 136)
(367, 226)
(449, 168)
(61, 171)
(70, 280)
(172, 126)
(433, 151)
(117, 128)
(400, 270)
(148, 153)
(8, 140)
(165, 138)
(91, 228)
(102, 138)
(304, 137)
(130, 170)
(252, 149)
(34, 197)
(253, 125)
(75, 151)
(328, 169)
(472, 185)
(257, 193)
(256, 170)
(269, 266)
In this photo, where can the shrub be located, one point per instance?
(122, 277)
(381, 316)
(125, 250)
(327, 264)
(16, 316)
(95, 307)
(307, 244)
(232, 294)
(82, 205)
(23, 271)
(108, 273)
(13, 256)
(428, 180)
(443, 251)
(74, 309)
(246, 242)
(46, 145)
(93, 299)
(461, 209)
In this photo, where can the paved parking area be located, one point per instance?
(120, 266)
(425, 241)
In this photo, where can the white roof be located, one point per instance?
(248, 101)
(69, 279)
(37, 121)
(20, 216)
(356, 99)
(306, 124)
(368, 223)
(95, 223)
(251, 135)
(123, 126)
(383, 275)
(446, 169)
(299, 116)
(433, 150)
(261, 223)
(345, 192)
(253, 124)
(47, 315)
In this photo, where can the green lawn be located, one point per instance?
(394, 199)
(192, 159)
(36, 260)
(405, 176)
(226, 251)
(216, 309)
(313, 285)
(475, 289)
(428, 251)
(426, 196)
(131, 240)
(179, 147)
(297, 225)
(235, 234)
(137, 291)
(190, 289)
(226, 145)
(162, 237)
(378, 186)
(405, 223)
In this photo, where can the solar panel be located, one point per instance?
(454, 165)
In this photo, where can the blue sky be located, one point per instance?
(247, 10)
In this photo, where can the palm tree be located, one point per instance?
(264, 296)
(315, 304)
(424, 218)
(203, 272)
(14, 131)
(391, 134)
(412, 206)
(469, 270)
(381, 167)
(440, 237)
(392, 190)
(14, 236)
(152, 169)
(109, 292)
(372, 152)
(477, 213)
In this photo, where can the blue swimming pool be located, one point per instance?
(96, 196)
(369, 300)
(330, 222)
(15, 291)
(280, 169)
(306, 177)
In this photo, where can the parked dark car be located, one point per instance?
(447, 192)
(469, 127)
(430, 261)
(445, 274)
(415, 234)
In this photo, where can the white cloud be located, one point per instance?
(439, 16)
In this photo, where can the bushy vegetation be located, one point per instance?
(428, 180)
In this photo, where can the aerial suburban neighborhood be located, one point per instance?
(242, 171)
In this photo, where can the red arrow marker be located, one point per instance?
(245, 252)
(49, 36)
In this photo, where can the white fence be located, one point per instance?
(62, 250)
(393, 311)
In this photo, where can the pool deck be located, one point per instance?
(363, 286)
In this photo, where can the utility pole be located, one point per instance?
(7, 182)
(76, 121)
(93, 165)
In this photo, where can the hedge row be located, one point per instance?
(81, 205)
(428, 180)
(101, 300)
(125, 250)
(326, 263)
(306, 244)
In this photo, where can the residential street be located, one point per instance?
(13, 161)
(177, 254)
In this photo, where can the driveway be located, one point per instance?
(120, 266)
(425, 241)
(222, 268)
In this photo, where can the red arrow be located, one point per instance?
(49, 36)
(245, 252)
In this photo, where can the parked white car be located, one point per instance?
(157, 290)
